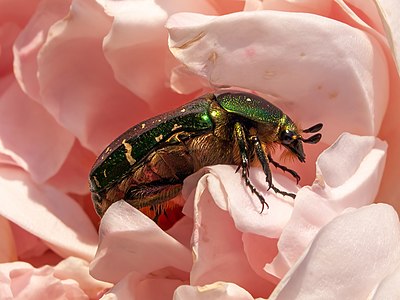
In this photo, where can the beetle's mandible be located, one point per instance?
(147, 164)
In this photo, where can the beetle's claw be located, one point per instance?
(263, 204)
(268, 179)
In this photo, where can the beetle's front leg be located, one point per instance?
(240, 137)
(264, 160)
(284, 169)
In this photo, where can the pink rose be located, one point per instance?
(75, 74)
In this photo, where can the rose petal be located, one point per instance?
(77, 84)
(182, 231)
(390, 190)
(22, 281)
(78, 270)
(228, 190)
(73, 174)
(389, 10)
(388, 288)
(8, 33)
(349, 173)
(130, 241)
(46, 213)
(217, 241)
(132, 41)
(8, 250)
(309, 6)
(365, 11)
(347, 258)
(133, 286)
(256, 59)
(13, 15)
(217, 290)
(31, 136)
(28, 245)
(30, 41)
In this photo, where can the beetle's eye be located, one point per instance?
(286, 137)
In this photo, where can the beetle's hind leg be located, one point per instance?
(284, 169)
(244, 150)
(153, 195)
(278, 191)
(158, 211)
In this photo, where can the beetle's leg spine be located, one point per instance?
(284, 169)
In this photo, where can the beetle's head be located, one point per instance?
(291, 138)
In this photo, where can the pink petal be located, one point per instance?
(5, 280)
(130, 241)
(13, 15)
(28, 245)
(78, 270)
(309, 6)
(136, 46)
(73, 174)
(388, 288)
(390, 190)
(349, 173)
(389, 10)
(217, 240)
(364, 11)
(217, 290)
(22, 281)
(8, 250)
(31, 136)
(77, 84)
(266, 56)
(228, 190)
(8, 33)
(30, 41)
(132, 287)
(182, 231)
(46, 213)
(347, 258)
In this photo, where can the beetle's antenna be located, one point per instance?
(315, 128)
(312, 139)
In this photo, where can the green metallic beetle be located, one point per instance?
(147, 164)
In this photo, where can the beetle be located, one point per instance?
(147, 164)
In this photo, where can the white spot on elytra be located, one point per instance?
(159, 138)
(128, 153)
(176, 126)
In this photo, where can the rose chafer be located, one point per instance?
(147, 164)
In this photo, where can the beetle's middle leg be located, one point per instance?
(264, 160)
(240, 137)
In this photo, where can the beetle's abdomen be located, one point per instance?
(151, 181)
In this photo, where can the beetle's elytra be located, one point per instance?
(147, 164)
